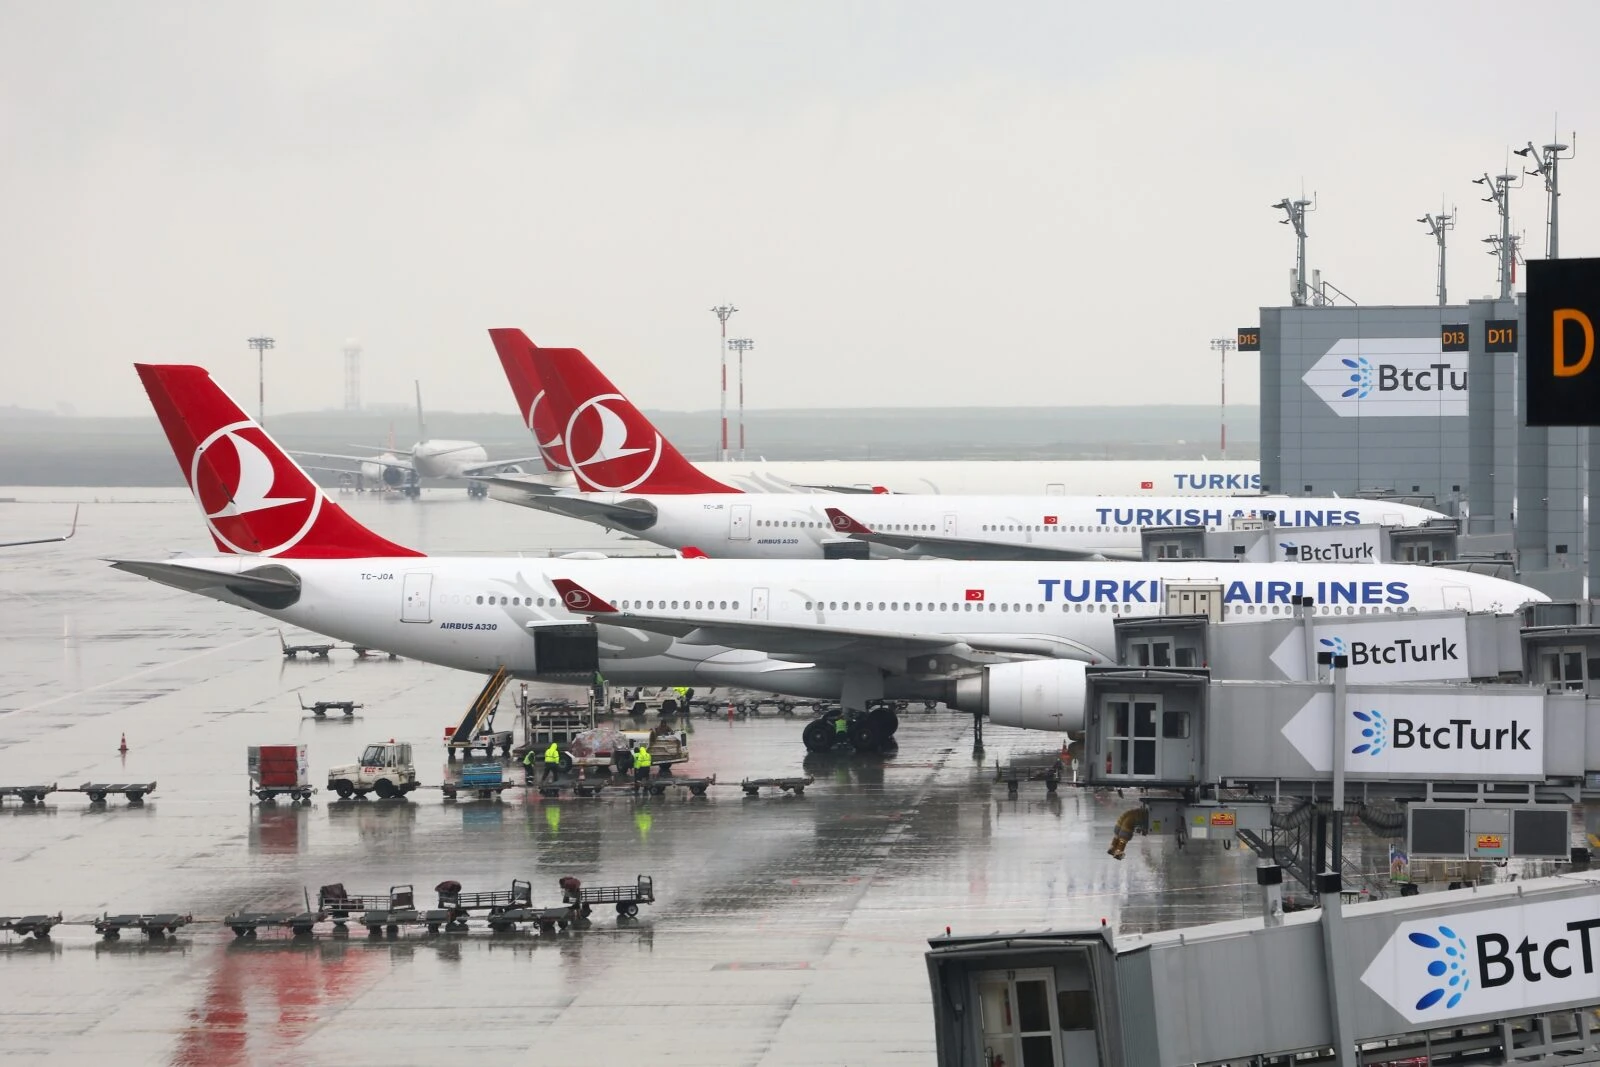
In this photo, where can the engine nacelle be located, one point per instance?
(1041, 694)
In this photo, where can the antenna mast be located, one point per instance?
(1502, 245)
(1439, 225)
(1296, 210)
(1545, 160)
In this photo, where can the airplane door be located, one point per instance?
(758, 603)
(739, 522)
(950, 524)
(1457, 597)
(416, 597)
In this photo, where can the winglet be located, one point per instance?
(844, 524)
(691, 552)
(580, 600)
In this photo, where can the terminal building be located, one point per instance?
(1424, 403)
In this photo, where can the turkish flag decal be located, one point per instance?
(1050, 520)
(974, 594)
(1147, 485)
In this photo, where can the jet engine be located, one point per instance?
(1042, 694)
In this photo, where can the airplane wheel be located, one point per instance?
(883, 722)
(818, 736)
(862, 735)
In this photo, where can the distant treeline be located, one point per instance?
(55, 450)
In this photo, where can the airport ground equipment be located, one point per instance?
(451, 897)
(340, 905)
(476, 729)
(658, 787)
(279, 770)
(152, 926)
(320, 708)
(1013, 776)
(1499, 974)
(98, 791)
(797, 786)
(401, 910)
(36, 926)
(245, 924)
(319, 650)
(28, 794)
(483, 779)
(625, 898)
(870, 731)
(363, 652)
(385, 769)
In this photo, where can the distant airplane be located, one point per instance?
(46, 540)
(453, 462)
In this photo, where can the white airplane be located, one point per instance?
(948, 477)
(46, 540)
(1009, 640)
(609, 445)
(436, 460)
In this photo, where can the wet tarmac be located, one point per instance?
(788, 929)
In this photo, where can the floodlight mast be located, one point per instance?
(722, 312)
(1439, 225)
(1222, 345)
(261, 344)
(741, 345)
(1545, 160)
(1296, 212)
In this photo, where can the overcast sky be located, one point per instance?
(916, 203)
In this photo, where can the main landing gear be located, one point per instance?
(869, 731)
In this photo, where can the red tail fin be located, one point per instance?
(256, 500)
(516, 356)
(612, 447)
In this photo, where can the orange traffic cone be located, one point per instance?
(123, 747)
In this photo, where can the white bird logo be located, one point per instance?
(613, 444)
(256, 476)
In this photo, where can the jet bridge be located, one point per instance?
(1256, 539)
(1503, 974)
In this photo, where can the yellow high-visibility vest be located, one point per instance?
(552, 754)
(641, 757)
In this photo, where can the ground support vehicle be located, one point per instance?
(797, 786)
(28, 794)
(98, 791)
(480, 779)
(157, 925)
(340, 906)
(658, 787)
(401, 910)
(279, 770)
(452, 899)
(385, 769)
(244, 924)
(476, 729)
(320, 708)
(37, 926)
(321, 651)
(625, 898)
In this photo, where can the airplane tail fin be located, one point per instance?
(611, 446)
(516, 357)
(422, 422)
(256, 500)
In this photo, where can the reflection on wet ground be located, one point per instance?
(789, 929)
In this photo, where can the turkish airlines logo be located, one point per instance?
(841, 521)
(554, 450)
(600, 435)
(235, 474)
(577, 599)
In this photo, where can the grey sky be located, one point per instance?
(913, 203)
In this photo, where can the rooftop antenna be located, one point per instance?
(1503, 245)
(1296, 212)
(1545, 159)
(1439, 225)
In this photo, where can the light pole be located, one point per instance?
(1221, 345)
(722, 312)
(1439, 225)
(261, 344)
(741, 345)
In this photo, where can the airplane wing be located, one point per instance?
(930, 544)
(46, 540)
(401, 459)
(631, 515)
(500, 464)
(897, 651)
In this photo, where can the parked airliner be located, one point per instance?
(1008, 639)
(1199, 477)
(635, 480)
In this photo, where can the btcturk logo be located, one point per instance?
(553, 450)
(1375, 733)
(234, 474)
(600, 435)
(1362, 377)
(1446, 966)
(1333, 644)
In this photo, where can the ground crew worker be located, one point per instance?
(841, 730)
(599, 691)
(552, 762)
(641, 763)
(527, 765)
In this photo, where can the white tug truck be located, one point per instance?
(385, 769)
